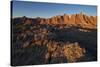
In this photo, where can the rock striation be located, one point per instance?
(80, 20)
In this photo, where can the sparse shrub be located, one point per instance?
(73, 52)
(26, 44)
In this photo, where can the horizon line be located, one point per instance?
(52, 16)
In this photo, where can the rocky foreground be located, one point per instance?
(48, 41)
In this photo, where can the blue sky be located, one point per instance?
(37, 9)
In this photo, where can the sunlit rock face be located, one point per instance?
(59, 39)
(80, 19)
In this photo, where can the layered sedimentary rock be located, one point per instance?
(80, 20)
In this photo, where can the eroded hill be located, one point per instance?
(59, 39)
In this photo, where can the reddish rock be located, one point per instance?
(80, 19)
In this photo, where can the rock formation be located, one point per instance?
(80, 19)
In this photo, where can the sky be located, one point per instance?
(46, 10)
